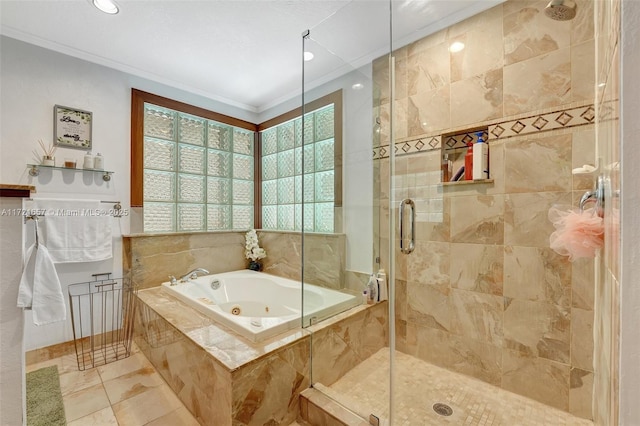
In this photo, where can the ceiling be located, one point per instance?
(246, 53)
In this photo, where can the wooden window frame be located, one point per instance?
(139, 98)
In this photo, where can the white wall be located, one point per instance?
(33, 80)
(630, 233)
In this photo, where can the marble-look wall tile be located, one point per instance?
(482, 52)
(340, 347)
(582, 28)
(539, 164)
(538, 275)
(476, 359)
(478, 98)
(401, 300)
(477, 219)
(429, 344)
(477, 316)
(150, 259)
(582, 339)
(582, 284)
(583, 147)
(546, 337)
(528, 33)
(540, 379)
(537, 83)
(477, 267)
(429, 305)
(266, 392)
(324, 257)
(526, 218)
(428, 69)
(581, 393)
(583, 71)
(429, 264)
(426, 112)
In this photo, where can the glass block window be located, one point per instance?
(198, 173)
(298, 173)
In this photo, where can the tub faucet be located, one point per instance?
(192, 275)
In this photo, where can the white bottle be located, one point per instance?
(98, 162)
(372, 289)
(88, 161)
(480, 159)
(383, 292)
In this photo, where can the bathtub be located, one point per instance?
(258, 305)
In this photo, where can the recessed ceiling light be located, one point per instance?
(456, 46)
(107, 6)
(308, 56)
(358, 86)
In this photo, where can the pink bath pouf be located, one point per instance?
(578, 234)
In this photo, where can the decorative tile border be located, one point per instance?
(428, 143)
(560, 119)
(571, 117)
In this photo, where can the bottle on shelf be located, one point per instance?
(468, 162)
(480, 159)
(88, 161)
(98, 162)
(446, 168)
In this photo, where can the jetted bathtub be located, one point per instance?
(258, 305)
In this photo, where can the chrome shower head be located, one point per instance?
(561, 10)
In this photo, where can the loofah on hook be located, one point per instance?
(578, 234)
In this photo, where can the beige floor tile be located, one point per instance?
(419, 385)
(147, 406)
(181, 417)
(123, 366)
(87, 401)
(75, 381)
(104, 417)
(132, 384)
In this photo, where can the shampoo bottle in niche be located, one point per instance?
(372, 290)
(446, 168)
(468, 162)
(480, 159)
(383, 292)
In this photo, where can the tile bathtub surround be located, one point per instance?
(224, 379)
(150, 259)
(483, 294)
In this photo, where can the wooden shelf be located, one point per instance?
(467, 182)
(22, 191)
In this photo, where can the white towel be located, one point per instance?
(76, 230)
(40, 287)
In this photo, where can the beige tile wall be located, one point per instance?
(150, 259)
(482, 294)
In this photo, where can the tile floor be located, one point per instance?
(420, 384)
(128, 392)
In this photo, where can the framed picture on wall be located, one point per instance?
(72, 128)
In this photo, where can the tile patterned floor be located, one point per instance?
(420, 384)
(129, 392)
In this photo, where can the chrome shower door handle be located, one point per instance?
(595, 196)
(407, 248)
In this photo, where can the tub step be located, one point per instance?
(317, 409)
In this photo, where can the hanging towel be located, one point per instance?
(40, 287)
(76, 230)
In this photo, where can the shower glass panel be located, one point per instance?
(344, 259)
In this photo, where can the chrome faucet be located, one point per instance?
(192, 275)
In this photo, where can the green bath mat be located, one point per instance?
(44, 398)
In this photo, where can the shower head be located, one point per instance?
(561, 10)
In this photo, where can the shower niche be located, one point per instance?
(455, 147)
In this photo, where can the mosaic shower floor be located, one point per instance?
(420, 385)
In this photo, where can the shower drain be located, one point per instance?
(236, 310)
(442, 409)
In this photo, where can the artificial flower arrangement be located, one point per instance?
(253, 251)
